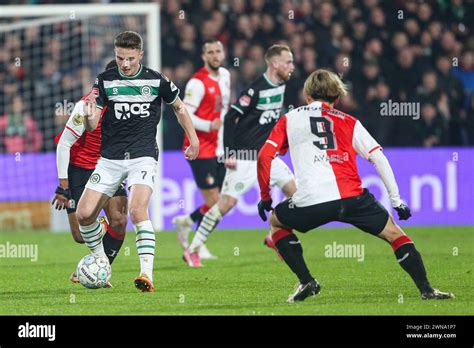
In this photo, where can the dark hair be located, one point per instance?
(208, 42)
(275, 50)
(129, 39)
(111, 64)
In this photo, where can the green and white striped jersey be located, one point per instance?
(258, 109)
(133, 103)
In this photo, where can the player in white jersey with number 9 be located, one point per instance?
(323, 143)
(132, 94)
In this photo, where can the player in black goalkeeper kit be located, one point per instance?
(246, 127)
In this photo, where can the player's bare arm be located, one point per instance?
(91, 113)
(186, 123)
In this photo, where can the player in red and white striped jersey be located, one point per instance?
(207, 98)
(323, 143)
(76, 158)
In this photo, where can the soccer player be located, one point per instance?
(207, 100)
(132, 94)
(76, 157)
(323, 143)
(246, 127)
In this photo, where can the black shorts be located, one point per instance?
(208, 173)
(78, 178)
(362, 211)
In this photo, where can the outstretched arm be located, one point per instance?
(366, 146)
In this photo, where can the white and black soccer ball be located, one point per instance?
(94, 272)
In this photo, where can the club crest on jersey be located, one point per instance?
(239, 186)
(95, 178)
(244, 100)
(145, 90)
(77, 120)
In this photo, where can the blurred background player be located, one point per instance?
(19, 131)
(207, 98)
(246, 127)
(77, 154)
(132, 95)
(323, 143)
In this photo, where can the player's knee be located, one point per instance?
(118, 222)
(137, 214)
(274, 222)
(84, 216)
(391, 231)
(213, 198)
(226, 203)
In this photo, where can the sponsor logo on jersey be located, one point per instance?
(244, 100)
(211, 89)
(269, 116)
(123, 111)
(77, 119)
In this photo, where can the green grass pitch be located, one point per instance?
(247, 279)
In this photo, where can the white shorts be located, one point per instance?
(238, 181)
(109, 174)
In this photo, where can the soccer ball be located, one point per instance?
(94, 272)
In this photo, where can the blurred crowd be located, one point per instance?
(419, 52)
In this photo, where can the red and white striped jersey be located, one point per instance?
(207, 98)
(86, 150)
(323, 144)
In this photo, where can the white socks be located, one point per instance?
(145, 241)
(92, 236)
(208, 224)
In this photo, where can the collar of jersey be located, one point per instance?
(268, 80)
(131, 77)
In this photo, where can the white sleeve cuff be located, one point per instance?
(201, 124)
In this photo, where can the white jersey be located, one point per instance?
(323, 144)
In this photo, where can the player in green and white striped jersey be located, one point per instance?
(132, 94)
(246, 128)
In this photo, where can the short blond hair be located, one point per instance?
(275, 50)
(324, 85)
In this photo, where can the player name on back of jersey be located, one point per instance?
(133, 103)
